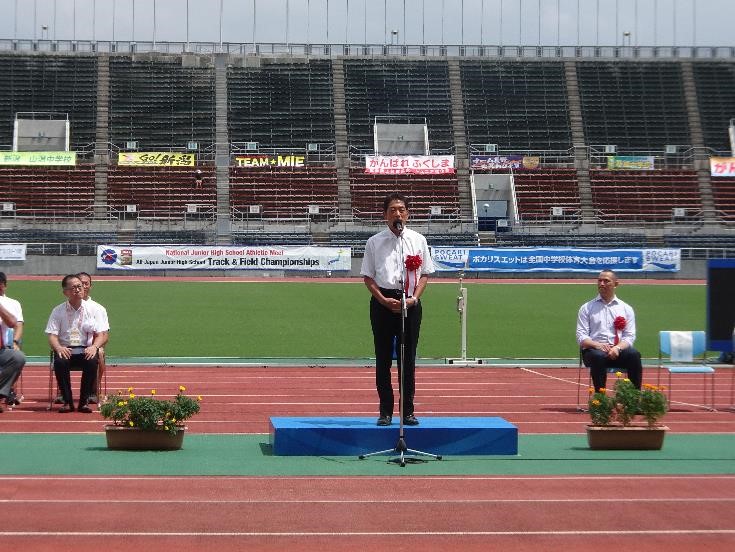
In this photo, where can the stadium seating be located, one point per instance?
(724, 196)
(516, 105)
(537, 191)
(283, 192)
(715, 82)
(48, 191)
(281, 103)
(160, 192)
(647, 196)
(160, 103)
(633, 105)
(369, 190)
(65, 85)
(406, 91)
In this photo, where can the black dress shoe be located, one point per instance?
(66, 408)
(410, 420)
(84, 408)
(384, 420)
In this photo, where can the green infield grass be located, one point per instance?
(330, 319)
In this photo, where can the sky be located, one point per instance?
(471, 22)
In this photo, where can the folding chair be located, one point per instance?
(684, 352)
(580, 407)
(611, 370)
(99, 386)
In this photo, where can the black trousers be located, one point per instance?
(629, 361)
(386, 327)
(62, 369)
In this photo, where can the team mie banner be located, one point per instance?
(39, 158)
(409, 164)
(192, 257)
(278, 161)
(155, 159)
(553, 259)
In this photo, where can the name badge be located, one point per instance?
(75, 338)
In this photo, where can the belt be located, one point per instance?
(394, 293)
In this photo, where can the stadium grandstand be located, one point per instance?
(595, 145)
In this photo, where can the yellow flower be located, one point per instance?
(199, 398)
(626, 379)
(618, 374)
(182, 388)
(153, 391)
(131, 424)
(173, 420)
(165, 427)
(120, 403)
(603, 390)
(596, 403)
(132, 396)
(130, 389)
(591, 390)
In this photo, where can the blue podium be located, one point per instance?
(347, 436)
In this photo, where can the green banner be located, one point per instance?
(38, 158)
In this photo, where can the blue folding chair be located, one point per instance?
(684, 352)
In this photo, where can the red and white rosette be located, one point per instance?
(413, 263)
(619, 325)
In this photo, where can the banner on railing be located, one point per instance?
(722, 166)
(39, 158)
(260, 161)
(631, 162)
(554, 259)
(409, 164)
(193, 257)
(155, 159)
(12, 252)
(504, 162)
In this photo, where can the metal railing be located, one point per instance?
(370, 50)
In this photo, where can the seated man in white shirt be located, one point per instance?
(73, 335)
(103, 325)
(606, 333)
(12, 358)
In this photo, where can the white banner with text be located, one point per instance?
(215, 257)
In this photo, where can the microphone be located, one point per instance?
(398, 225)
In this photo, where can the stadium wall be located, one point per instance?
(44, 265)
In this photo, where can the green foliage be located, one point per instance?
(601, 408)
(626, 400)
(650, 402)
(325, 318)
(148, 412)
(653, 403)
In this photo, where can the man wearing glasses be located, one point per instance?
(75, 339)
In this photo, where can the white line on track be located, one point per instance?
(360, 533)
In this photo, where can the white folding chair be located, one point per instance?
(684, 352)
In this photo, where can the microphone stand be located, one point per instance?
(401, 447)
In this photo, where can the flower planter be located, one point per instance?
(626, 437)
(133, 438)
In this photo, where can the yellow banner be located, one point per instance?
(155, 159)
(38, 158)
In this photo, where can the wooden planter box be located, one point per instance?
(133, 438)
(626, 438)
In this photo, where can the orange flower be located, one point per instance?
(182, 388)
(153, 391)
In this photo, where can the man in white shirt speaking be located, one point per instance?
(396, 262)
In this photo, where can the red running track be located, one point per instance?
(672, 513)
(242, 399)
